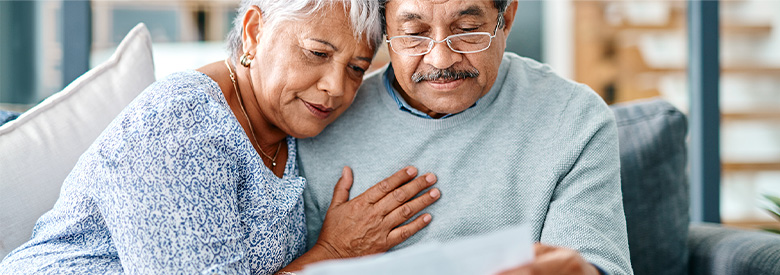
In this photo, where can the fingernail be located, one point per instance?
(430, 178)
(411, 171)
(427, 218)
(435, 193)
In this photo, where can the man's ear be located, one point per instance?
(509, 17)
(253, 29)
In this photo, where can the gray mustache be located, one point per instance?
(445, 74)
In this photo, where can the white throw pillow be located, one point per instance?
(38, 149)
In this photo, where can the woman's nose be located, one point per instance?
(332, 82)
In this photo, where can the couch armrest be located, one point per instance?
(714, 249)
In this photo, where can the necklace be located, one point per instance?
(251, 130)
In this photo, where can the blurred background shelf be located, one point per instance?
(750, 167)
(770, 115)
(628, 50)
(724, 70)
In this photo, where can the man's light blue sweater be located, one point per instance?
(537, 149)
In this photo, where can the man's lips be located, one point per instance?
(445, 84)
(318, 110)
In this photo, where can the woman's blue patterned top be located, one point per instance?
(172, 186)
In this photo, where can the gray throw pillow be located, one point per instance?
(655, 185)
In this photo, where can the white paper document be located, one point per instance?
(485, 254)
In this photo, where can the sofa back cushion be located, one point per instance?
(39, 148)
(655, 185)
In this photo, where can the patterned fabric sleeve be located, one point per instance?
(167, 187)
(7, 116)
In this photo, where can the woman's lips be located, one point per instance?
(317, 110)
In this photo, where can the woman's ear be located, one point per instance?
(253, 29)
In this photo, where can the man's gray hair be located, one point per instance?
(363, 16)
(500, 5)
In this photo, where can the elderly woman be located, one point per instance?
(198, 174)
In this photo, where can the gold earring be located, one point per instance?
(246, 59)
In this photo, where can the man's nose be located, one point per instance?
(441, 56)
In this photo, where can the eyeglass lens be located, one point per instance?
(417, 45)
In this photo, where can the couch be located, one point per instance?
(39, 148)
(652, 136)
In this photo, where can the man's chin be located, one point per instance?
(449, 102)
(450, 108)
(444, 101)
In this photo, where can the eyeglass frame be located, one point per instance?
(447, 39)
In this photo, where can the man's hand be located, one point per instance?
(554, 260)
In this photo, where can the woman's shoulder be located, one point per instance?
(180, 93)
(186, 84)
(184, 104)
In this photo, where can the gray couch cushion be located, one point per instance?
(719, 250)
(654, 182)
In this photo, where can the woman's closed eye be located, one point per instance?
(318, 54)
(358, 70)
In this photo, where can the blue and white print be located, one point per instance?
(172, 186)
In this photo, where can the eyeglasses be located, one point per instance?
(413, 45)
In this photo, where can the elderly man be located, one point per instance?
(510, 141)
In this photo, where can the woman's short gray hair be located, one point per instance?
(363, 16)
